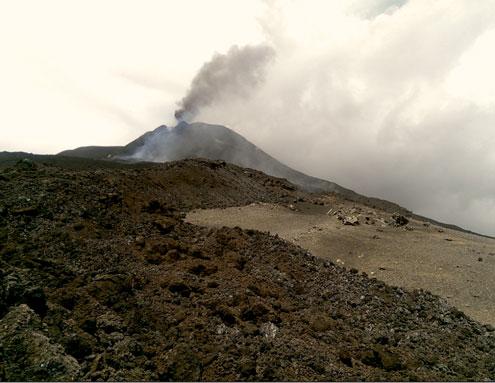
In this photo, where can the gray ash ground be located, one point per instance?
(102, 279)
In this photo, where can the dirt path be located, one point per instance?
(457, 266)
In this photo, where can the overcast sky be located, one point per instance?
(395, 99)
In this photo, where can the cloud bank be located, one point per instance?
(393, 99)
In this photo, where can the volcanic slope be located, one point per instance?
(102, 279)
(217, 142)
(456, 265)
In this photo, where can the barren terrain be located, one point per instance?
(102, 279)
(455, 265)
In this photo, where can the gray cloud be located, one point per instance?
(234, 74)
(366, 103)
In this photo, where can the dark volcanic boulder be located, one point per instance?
(26, 353)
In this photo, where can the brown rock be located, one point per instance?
(321, 323)
(28, 354)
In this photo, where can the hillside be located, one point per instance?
(216, 142)
(411, 254)
(102, 279)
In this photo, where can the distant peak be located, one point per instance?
(161, 128)
(181, 125)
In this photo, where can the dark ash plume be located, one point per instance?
(235, 73)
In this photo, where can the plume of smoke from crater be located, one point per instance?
(235, 74)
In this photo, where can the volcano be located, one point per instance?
(200, 140)
(216, 142)
(121, 264)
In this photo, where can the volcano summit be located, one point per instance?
(200, 140)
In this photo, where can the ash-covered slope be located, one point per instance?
(101, 279)
(200, 140)
(219, 143)
(216, 142)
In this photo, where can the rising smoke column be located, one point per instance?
(236, 73)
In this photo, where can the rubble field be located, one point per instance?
(102, 279)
